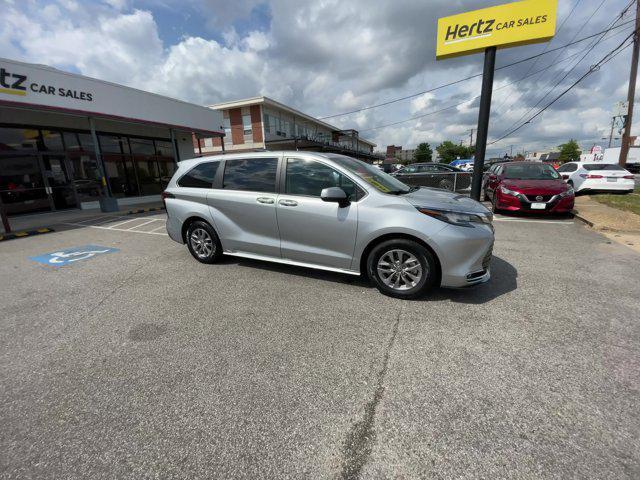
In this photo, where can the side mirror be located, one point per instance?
(492, 177)
(335, 195)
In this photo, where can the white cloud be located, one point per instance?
(323, 58)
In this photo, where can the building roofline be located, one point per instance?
(262, 100)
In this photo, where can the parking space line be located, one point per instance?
(114, 229)
(143, 224)
(111, 219)
(159, 228)
(92, 219)
(122, 223)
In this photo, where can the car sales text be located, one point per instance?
(19, 83)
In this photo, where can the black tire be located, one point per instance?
(197, 232)
(428, 268)
(494, 208)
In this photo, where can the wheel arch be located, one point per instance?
(391, 236)
(189, 221)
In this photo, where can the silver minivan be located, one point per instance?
(330, 212)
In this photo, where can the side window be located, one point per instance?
(426, 169)
(410, 169)
(307, 177)
(253, 175)
(498, 170)
(200, 176)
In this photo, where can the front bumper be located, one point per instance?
(523, 203)
(465, 255)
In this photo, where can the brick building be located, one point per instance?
(261, 123)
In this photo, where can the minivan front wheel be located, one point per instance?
(402, 268)
(203, 242)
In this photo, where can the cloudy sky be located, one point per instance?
(327, 57)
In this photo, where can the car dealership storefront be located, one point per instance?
(66, 141)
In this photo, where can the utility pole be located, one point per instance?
(613, 124)
(471, 138)
(626, 137)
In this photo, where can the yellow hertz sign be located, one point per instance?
(509, 25)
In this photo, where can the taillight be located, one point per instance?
(584, 175)
(164, 195)
(629, 177)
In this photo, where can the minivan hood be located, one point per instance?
(444, 200)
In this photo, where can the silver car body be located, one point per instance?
(306, 231)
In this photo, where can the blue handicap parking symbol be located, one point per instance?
(71, 255)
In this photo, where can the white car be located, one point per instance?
(602, 177)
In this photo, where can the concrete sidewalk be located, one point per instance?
(618, 225)
(36, 221)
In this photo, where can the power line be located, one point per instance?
(607, 58)
(575, 5)
(568, 72)
(434, 112)
(439, 87)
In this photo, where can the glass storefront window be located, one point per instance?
(71, 141)
(18, 139)
(148, 177)
(121, 175)
(113, 144)
(86, 142)
(142, 146)
(86, 174)
(32, 159)
(164, 149)
(52, 140)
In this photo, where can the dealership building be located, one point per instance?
(69, 141)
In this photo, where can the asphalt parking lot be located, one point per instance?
(138, 362)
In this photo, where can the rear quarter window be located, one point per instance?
(200, 176)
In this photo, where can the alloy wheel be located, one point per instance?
(201, 242)
(399, 269)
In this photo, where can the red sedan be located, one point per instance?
(527, 187)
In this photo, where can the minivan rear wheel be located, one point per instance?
(203, 243)
(402, 268)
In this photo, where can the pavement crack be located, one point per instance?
(361, 437)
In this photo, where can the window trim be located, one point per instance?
(283, 178)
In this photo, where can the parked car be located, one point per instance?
(329, 212)
(436, 175)
(466, 164)
(601, 177)
(528, 187)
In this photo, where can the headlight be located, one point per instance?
(568, 193)
(461, 219)
(506, 191)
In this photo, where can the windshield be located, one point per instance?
(530, 171)
(372, 175)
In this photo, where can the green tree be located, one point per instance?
(570, 151)
(449, 151)
(423, 153)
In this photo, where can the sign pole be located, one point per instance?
(483, 121)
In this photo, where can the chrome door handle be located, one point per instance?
(266, 200)
(288, 203)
